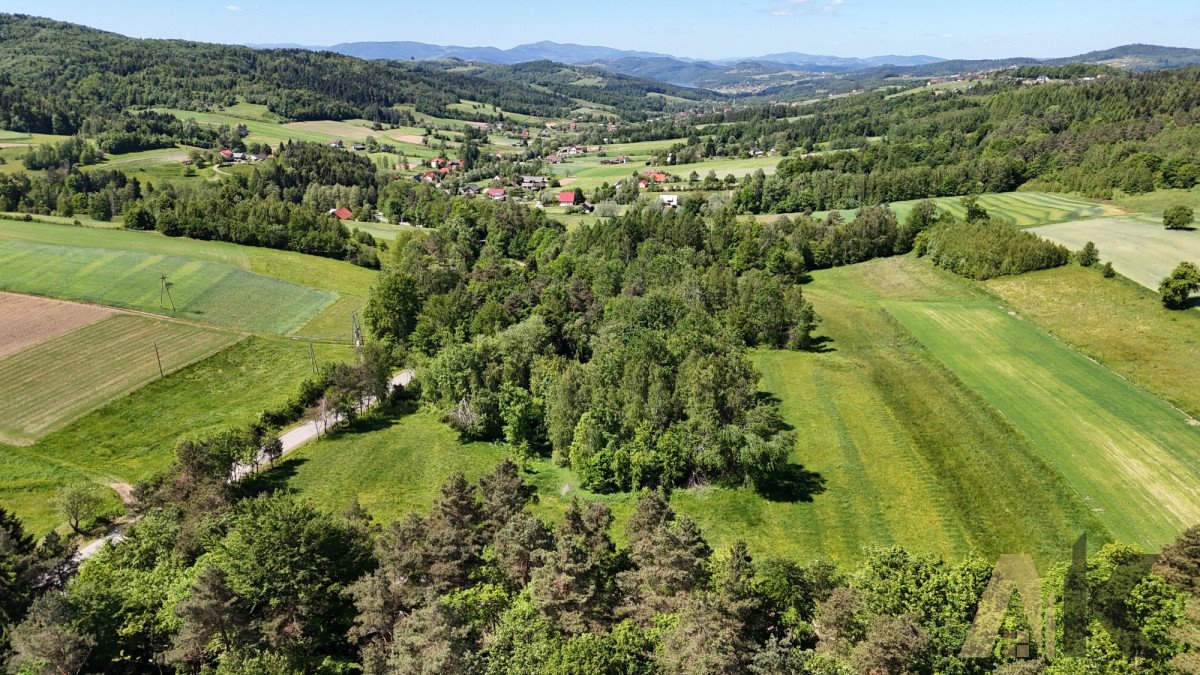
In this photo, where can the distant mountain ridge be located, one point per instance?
(576, 54)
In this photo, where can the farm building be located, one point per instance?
(227, 155)
(342, 213)
(534, 182)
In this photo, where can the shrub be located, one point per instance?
(1178, 287)
(1178, 217)
(1088, 255)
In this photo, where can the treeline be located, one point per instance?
(477, 584)
(618, 348)
(281, 205)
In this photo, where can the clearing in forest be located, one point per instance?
(1143, 251)
(1134, 459)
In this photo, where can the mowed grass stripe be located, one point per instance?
(202, 291)
(1133, 458)
(47, 386)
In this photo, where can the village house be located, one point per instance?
(358, 147)
(567, 198)
(669, 201)
(342, 213)
(554, 159)
(496, 194)
(336, 144)
(656, 176)
(227, 155)
(470, 190)
(534, 182)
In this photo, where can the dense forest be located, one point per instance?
(1092, 136)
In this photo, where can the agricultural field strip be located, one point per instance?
(203, 291)
(1140, 250)
(47, 386)
(1131, 456)
(27, 321)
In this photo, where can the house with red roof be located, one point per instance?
(656, 176)
(567, 198)
(342, 213)
(227, 155)
(496, 194)
(554, 159)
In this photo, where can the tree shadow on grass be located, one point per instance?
(793, 483)
(821, 344)
(272, 479)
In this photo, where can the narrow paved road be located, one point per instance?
(291, 440)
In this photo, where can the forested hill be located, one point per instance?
(53, 75)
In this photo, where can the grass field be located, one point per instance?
(1117, 322)
(1143, 251)
(133, 437)
(202, 291)
(1133, 458)
(1023, 209)
(44, 386)
(906, 454)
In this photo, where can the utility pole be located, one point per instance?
(159, 359)
(357, 333)
(312, 356)
(165, 287)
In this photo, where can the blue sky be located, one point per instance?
(695, 28)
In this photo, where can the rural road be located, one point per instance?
(291, 440)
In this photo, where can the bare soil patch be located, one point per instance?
(27, 320)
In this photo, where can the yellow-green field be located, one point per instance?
(1023, 209)
(1143, 251)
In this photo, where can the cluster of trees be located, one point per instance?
(986, 248)
(74, 151)
(618, 348)
(99, 194)
(268, 584)
(149, 130)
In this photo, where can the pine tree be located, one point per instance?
(212, 620)
(574, 588)
(669, 557)
(519, 547)
(505, 494)
(454, 535)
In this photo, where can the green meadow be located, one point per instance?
(47, 385)
(1131, 457)
(1143, 251)
(246, 287)
(131, 438)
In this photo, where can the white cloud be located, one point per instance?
(233, 8)
(794, 7)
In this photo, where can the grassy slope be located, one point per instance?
(202, 291)
(1134, 459)
(45, 386)
(1143, 251)
(1116, 322)
(908, 455)
(131, 438)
